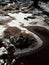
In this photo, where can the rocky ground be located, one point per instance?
(24, 34)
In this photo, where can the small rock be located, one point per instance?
(11, 49)
(31, 17)
(26, 18)
(1, 44)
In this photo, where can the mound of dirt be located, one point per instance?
(11, 31)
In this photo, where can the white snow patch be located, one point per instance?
(3, 51)
(1, 61)
(19, 20)
(2, 28)
(4, 18)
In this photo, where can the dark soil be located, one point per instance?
(42, 56)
